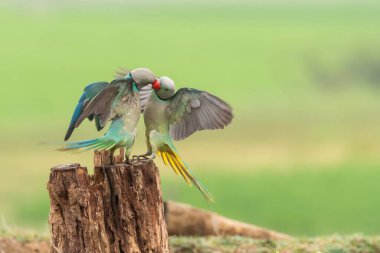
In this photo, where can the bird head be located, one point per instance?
(142, 77)
(164, 87)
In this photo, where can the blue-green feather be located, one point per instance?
(90, 91)
(114, 138)
(76, 114)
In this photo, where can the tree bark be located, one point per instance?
(117, 210)
(185, 220)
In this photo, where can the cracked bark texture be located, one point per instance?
(119, 209)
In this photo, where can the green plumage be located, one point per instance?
(118, 102)
(176, 116)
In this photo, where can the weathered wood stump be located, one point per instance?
(117, 210)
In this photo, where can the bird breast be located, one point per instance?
(155, 114)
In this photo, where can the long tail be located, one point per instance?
(171, 157)
(99, 143)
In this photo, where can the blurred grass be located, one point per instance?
(301, 156)
(302, 201)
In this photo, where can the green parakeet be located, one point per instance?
(171, 115)
(119, 102)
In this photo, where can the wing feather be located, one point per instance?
(193, 110)
(121, 73)
(90, 91)
(101, 105)
(144, 96)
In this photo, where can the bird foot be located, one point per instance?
(128, 161)
(143, 157)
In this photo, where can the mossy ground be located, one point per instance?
(331, 244)
(27, 241)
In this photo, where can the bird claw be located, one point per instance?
(140, 157)
(144, 157)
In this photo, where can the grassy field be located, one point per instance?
(22, 242)
(302, 154)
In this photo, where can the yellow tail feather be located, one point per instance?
(171, 158)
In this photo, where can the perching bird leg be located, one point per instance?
(112, 151)
(127, 160)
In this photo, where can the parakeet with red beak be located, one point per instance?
(171, 115)
(119, 102)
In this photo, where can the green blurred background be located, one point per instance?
(302, 154)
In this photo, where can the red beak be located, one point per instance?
(156, 85)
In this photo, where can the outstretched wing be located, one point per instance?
(89, 93)
(193, 110)
(144, 92)
(101, 106)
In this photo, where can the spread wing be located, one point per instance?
(193, 110)
(101, 106)
(144, 92)
(89, 93)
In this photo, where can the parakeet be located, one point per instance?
(119, 102)
(171, 115)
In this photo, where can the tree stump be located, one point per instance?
(117, 210)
